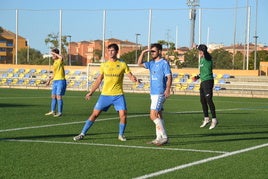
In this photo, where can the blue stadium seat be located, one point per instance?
(217, 88)
(10, 70)
(226, 76)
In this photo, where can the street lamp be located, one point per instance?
(28, 49)
(256, 37)
(136, 54)
(69, 49)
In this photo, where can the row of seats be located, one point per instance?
(78, 79)
(11, 72)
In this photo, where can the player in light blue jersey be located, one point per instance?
(160, 84)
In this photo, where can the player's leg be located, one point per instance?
(155, 114)
(203, 102)
(120, 105)
(102, 104)
(53, 102)
(209, 99)
(60, 92)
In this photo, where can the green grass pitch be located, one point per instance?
(33, 145)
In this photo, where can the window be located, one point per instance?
(2, 49)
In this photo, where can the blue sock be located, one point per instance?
(122, 128)
(60, 105)
(53, 104)
(86, 127)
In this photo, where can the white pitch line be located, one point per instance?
(63, 124)
(112, 145)
(200, 162)
(133, 116)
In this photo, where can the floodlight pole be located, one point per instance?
(256, 36)
(136, 54)
(192, 4)
(69, 50)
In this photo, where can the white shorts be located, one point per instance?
(157, 102)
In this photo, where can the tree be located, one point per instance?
(53, 42)
(238, 61)
(130, 56)
(97, 55)
(191, 58)
(262, 56)
(35, 57)
(222, 59)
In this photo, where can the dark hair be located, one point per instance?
(55, 50)
(114, 46)
(204, 49)
(157, 45)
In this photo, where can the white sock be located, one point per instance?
(160, 130)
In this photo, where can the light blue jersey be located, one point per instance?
(159, 70)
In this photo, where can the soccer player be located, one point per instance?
(59, 84)
(160, 84)
(111, 73)
(206, 86)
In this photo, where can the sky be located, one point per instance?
(219, 21)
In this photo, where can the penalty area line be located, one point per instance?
(201, 162)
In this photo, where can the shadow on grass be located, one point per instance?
(8, 105)
(89, 136)
(233, 136)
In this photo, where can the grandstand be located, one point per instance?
(238, 83)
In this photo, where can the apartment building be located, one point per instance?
(85, 52)
(8, 46)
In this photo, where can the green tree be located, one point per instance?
(191, 59)
(130, 56)
(238, 61)
(52, 41)
(262, 56)
(222, 59)
(34, 57)
(97, 55)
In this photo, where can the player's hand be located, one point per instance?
(48, 82)
(88, 96)
(195, 78)
(167, 93)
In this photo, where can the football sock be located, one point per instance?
(122, 128)
(160, 130)
(60, 105)
(164, 135)
(86, 127)
(53, 104)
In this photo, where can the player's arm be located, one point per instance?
(95, 86)
(140, 62)
(168, 86)
(50, 78)
(57, 55)
(132, 77)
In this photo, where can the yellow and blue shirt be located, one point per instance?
(58, 70)
(113, 72)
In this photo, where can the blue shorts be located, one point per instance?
(59, 87)
(104, 103)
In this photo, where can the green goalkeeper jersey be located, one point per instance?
(206, 69)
